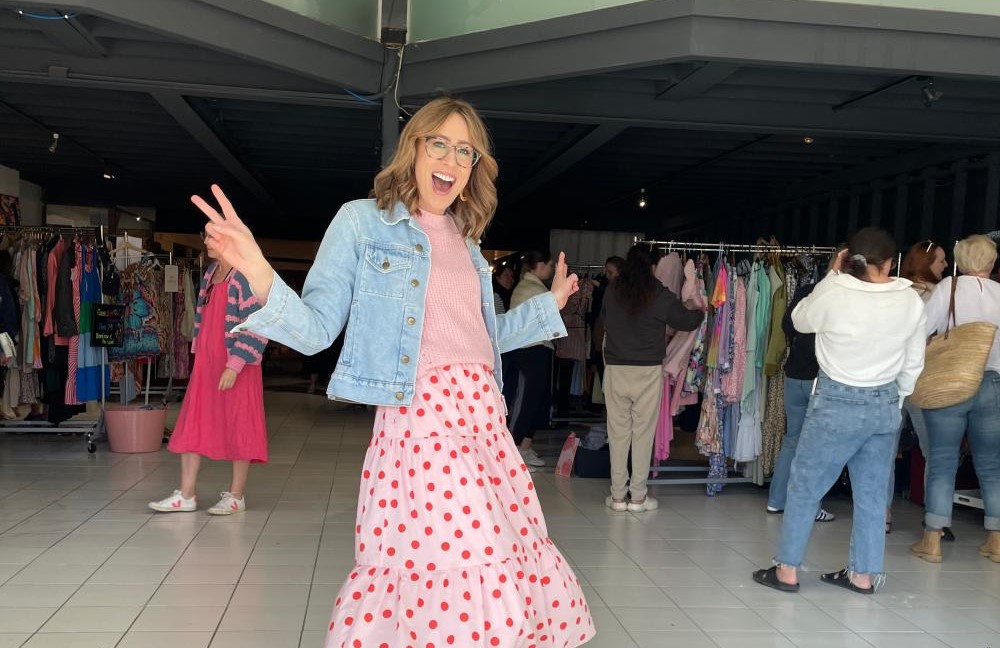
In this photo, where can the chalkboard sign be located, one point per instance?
(109, 325)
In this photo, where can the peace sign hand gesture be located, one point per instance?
(563, 283)
(234, 243)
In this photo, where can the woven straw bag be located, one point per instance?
(954, 363)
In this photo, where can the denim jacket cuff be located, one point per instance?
(272, 310)
(549, 319)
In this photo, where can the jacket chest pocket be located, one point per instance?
(384, 271)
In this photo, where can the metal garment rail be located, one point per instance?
(722, 247)
(756, 248)
(88, 427)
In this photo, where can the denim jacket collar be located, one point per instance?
(400, 212)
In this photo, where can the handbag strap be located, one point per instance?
(951, 308)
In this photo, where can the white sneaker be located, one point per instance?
(619, 507)
(531, 457)
(534, 469)
(648, 504)
(176, 503)
(228, 505)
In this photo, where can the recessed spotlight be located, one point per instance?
(808, 140)
(55, 143)
(931, 94)
(642, 199)
(108, 175)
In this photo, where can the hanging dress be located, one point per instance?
(88, 371)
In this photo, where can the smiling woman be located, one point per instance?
(451, 545)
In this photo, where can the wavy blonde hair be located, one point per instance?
(396, 182)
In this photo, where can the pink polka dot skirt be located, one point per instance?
(451, 546)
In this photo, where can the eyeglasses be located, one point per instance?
(465, 155)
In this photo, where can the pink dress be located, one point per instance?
(451, 546)
(222, 425)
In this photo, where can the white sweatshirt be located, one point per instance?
(867, 334)
(976, 300)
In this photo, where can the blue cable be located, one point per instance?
(44, 16)
(359, 97)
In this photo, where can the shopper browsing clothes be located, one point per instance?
(870, 342)
(801, 370)
(637, 310)
(451, 544)
(924, 265)
(533, 364)
(977, 299)
(222, 416)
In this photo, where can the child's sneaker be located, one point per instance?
(228, 505)
(176, 503)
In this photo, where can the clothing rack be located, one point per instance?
(754, 248)
(722, 247)
(88, 427)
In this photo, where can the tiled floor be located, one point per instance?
(84, 564)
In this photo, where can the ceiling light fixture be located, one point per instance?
(55, 143)
(642, 199)
(931, 94)
(108, 175)
(808, 140)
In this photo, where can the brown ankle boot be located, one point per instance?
(992, 547)
(929, 548)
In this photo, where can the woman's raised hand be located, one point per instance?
(563, 283)
(234, 243)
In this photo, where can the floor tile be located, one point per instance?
(24, 619)
(262, 618)
(14, 640)
(92, 619)
(270, 595)
(35, 595)
(179, 619)
(639, 597)
(733, 619)
(661, 621)
(750, 640)
(192, 595)
(826, 640)
(903, 640)
(256, 639)
(680, 638)
(108, 595)
(166, 640)
(74, 639)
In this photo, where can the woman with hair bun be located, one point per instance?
(870, 341)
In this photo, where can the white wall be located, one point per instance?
(32, 204)
(10, 181)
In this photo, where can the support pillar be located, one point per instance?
(958, 199)
(990, 213)
(902, 206)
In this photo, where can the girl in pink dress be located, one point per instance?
(222, 416)
(451, 545)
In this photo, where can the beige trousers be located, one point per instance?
(632, 396)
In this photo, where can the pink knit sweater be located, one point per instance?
(454, 330)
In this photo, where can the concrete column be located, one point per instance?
(876, 218)
(853, 212)
(814, 216)
(992, 193)
(832, 215)
(902, 204)
(929, 177)
(958, 199)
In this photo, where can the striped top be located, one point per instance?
(244, 348)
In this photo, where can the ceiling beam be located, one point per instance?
(567, 102)
(760, 33)
(580, 149)
(185, 115)
(698, 82)
(253, 30)
(929, 156)
(70, 34)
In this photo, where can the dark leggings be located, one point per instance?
(534, 371)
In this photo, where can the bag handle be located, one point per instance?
(951, 305)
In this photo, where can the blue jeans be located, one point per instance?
(844, 426)
(979, 417)
(797, 393)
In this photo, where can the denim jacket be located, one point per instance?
(371, 274)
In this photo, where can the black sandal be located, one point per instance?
(948, 535)
(841, 579)
(769, 578)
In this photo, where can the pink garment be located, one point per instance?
(670, 272)
(454, 329)
(74, 341)
(680, 347)
(664, 426)
(222, 425)
(451, 544)
(732, 382)
(52, 265)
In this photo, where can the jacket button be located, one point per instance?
(405, 359)
(411, 321)
(418, 247)
(385, 264)
(399, 395)
(415, 283)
